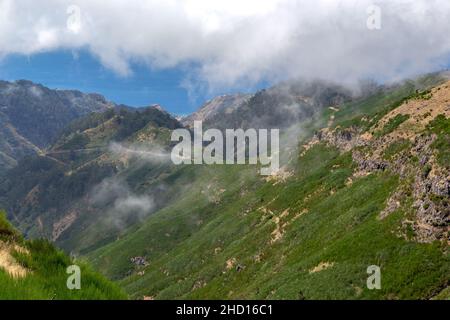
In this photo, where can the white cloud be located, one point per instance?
(152, 153)
(235, 41)
(115, 198)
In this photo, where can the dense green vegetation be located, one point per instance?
(7, 231)
(340, 226)
(441, 127)
(46, 277)
(133, 121)
(225, 231)
(54, 189)
(392, 124)
(50, 186)
(261, 239)
(90, 121)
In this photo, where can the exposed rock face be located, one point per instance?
(432, 202)
(345, 139)
(139, 261)
(423, 182)
(63, 224)
(280, 106)
(218, 106)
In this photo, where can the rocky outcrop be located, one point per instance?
(63, 224)
(423, 182)
(139, 261)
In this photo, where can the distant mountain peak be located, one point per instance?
(158, 107)
(221, 104)
(32, 116)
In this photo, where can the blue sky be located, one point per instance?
(224, 46)
(80, 70)
(69, 70)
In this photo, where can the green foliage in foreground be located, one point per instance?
(7, 231)
(47, 275)
(231, 234)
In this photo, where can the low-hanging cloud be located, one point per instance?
(230, 42)
(118, 201)
(149, 153)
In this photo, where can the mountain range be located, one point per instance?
(364, 181)
(31, 117)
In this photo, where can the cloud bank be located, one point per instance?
(230, 42)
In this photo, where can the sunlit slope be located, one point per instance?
(51, 195)
(37, 270)
(312, 230)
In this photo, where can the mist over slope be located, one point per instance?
(123, 154)
(354, 194)
(32, 116)
(56, 194)
(280, 106)
(364, 180)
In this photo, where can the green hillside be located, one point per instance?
(50, 195)
(37, 270)
(354, 194)
(364, 181)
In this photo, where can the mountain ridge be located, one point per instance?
(32, 115)
(106, 190)
(312, 230)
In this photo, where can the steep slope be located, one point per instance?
(58, 195)
(216, 108)
(106, 189)
(277, 107)
(108, 171)
(31, 117)
(281, 106)
(13, 146)
(354, 195)
(36, 270)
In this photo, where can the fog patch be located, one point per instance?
(120, 203)
(148, 153)
(35, 91)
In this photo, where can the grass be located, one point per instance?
(341, 226)
(367, 111)
(227, 215)
(395, 148)
(320, 216)
(392, 124)
(7, 231)
(46, 278)
(441, 127)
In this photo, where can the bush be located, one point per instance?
(441, 127)
(392, 124)
(7, 231)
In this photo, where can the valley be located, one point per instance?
(363, 180)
